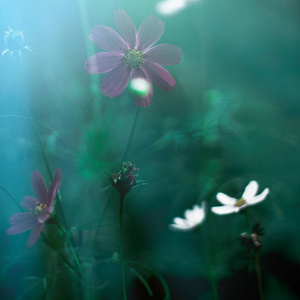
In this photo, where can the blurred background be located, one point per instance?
(232, 117)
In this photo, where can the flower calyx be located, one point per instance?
(253, 240)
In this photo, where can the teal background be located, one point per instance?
(232, 117)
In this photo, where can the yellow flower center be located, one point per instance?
(133, 58)
(39, 207)
(240, 202)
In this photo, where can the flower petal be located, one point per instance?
(164, 54)
(35, 233)
(159, 76)
(29, 202)
(224, 210)
(259, 198)
(226, 200)
(39, 186)
(103, 62)
(43, 216)
(199, 213)
(22, 226)
(54, 186)
(126, 28)
(21, 217)
(145, 99)
(149, 32)
(107, 39)
(116, 81)
(250, 190)
(181, 227)
(180, 221)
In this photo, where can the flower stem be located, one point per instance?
(131, 134)
(71, 247)
(259, 277)
(256, 258)
(125, 153)
(121, 247)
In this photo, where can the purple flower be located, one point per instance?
(131, 55)
(40, 208)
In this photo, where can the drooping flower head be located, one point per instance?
(40, 209)
(125, 180)
(249, 197)
(131, 56)
(14, 41)
(252, 240)
(193, 219)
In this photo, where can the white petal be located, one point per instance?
(180, 221)
(199, 213)
(226, 200)
(250, 190)
(180, 227)
(189, 214)
(224, 210)
(259, 197)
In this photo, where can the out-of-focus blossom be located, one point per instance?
(14, 41)
(232, 205)
(131, 56)
(171, 7)
(193, 218)
(40, 208)
(125, 180)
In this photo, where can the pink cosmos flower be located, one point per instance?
(40, 208)
(131, 55)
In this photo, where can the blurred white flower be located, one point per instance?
(193, 218)
(14, 41)
(170, 7)
(232, 205)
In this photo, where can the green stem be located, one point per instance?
(58, 252)
(121, 247)
(71, 247)
(131, 134)
(11, 196)
(256, 257)
(125, 154)
(211, 269)
(259, 277)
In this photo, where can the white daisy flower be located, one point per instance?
(193, 218)
(232, 205)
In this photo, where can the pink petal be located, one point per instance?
(21, 217)
(22, 227)
(145, 100)
(35, 233)
(164, 54)
(159, 76)
(103, 62)
(43, 216)
(54, 186)
(107, 39)
(126, 28)
(149, 32)
(39, 186)
(116, 81)
(29, 202)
